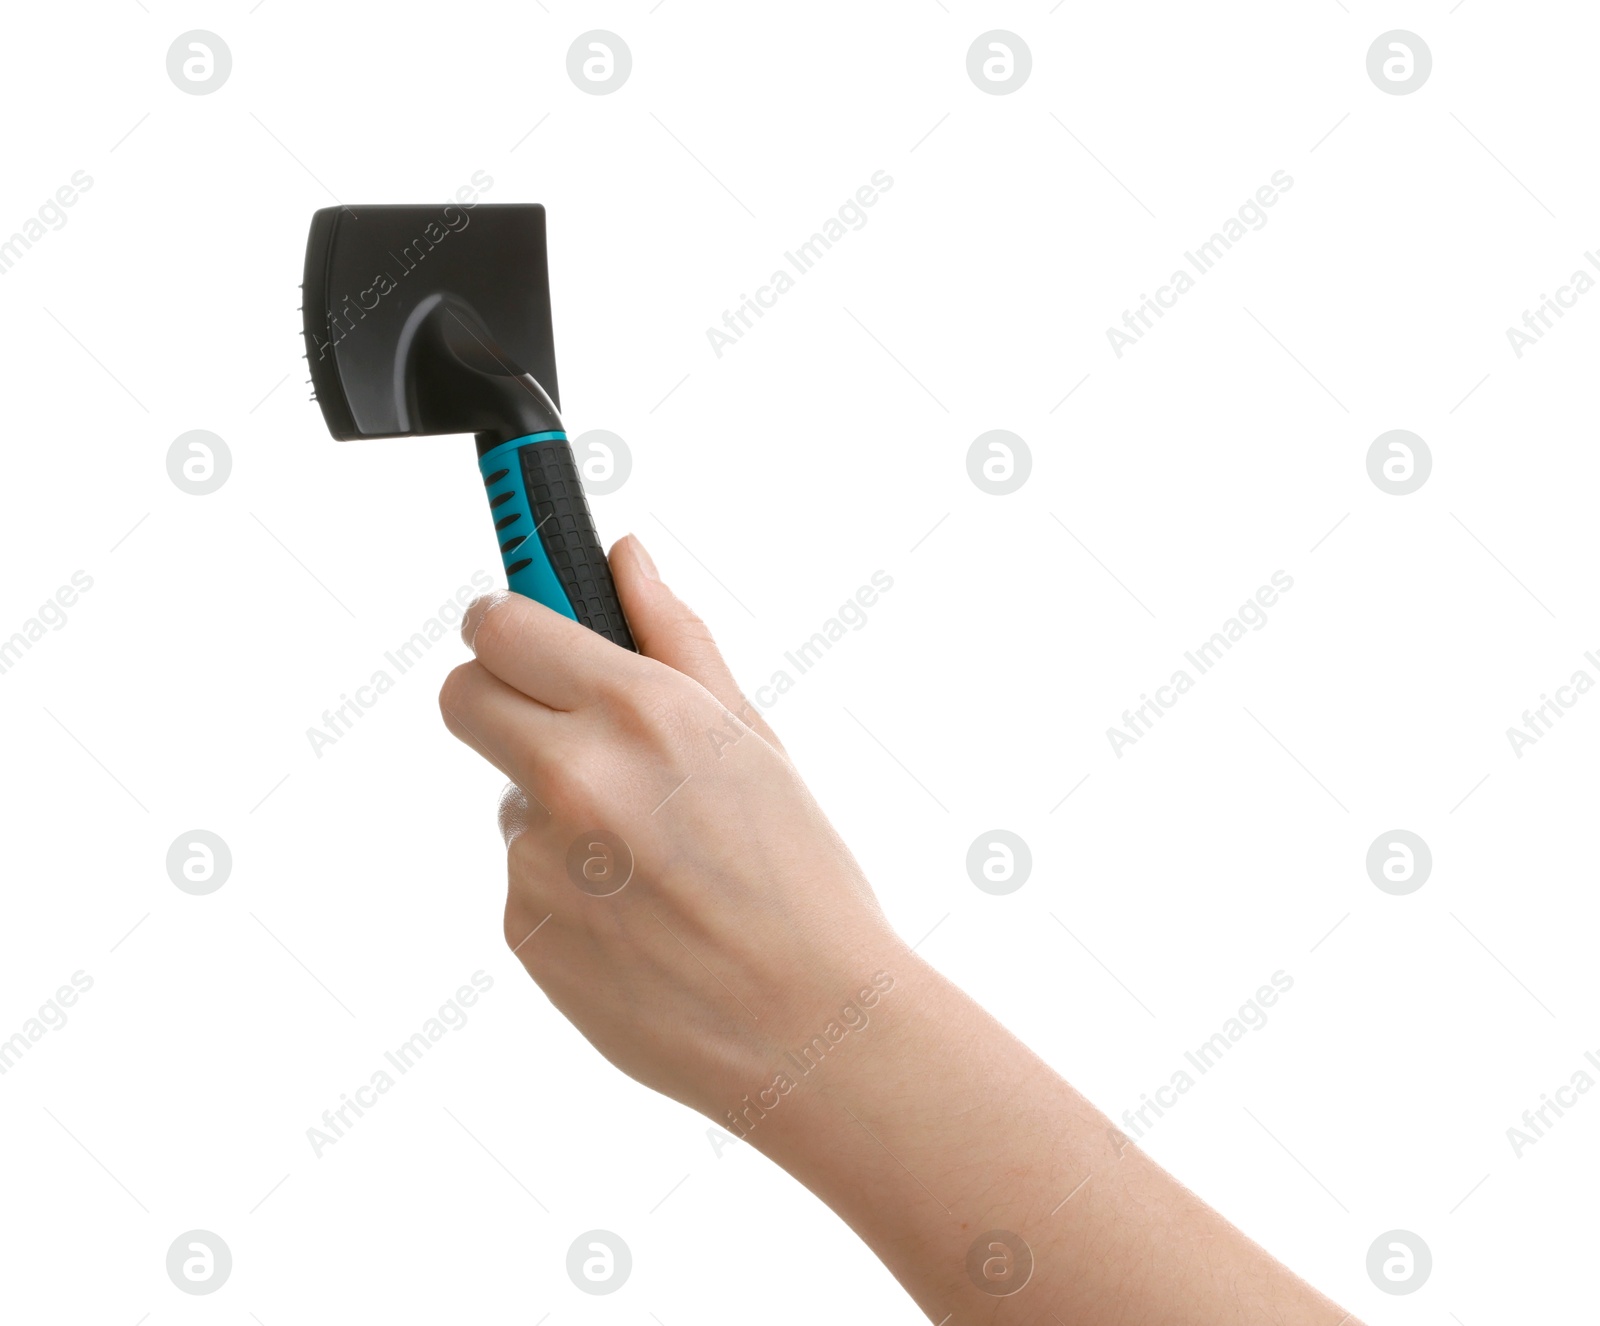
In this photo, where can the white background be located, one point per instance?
(823, 447)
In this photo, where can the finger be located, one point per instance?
(459, 731)
(666, 628)
(523, 739)
(548, 657)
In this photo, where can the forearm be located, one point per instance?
(932, 1127)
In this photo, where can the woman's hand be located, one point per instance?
(680, 897)
(674, 889)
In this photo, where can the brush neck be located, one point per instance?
(459, 380)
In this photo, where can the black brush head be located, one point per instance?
(431, 319)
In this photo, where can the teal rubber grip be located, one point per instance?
(546, 533)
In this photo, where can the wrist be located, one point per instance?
(828, 1048)
(846, 1066)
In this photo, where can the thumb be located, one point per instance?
(666, 629)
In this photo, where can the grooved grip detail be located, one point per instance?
(566, 530)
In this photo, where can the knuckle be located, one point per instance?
(581, 789)
(512, 814)
(524, 856)
(690, 628)
(661, 714)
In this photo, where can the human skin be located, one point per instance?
(746, 931)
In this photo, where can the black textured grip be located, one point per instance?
(566, 529)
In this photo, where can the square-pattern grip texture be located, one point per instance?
(566, 529)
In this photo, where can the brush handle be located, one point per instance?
(546, 535)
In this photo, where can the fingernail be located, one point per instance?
(477, 610)
(645, 564)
